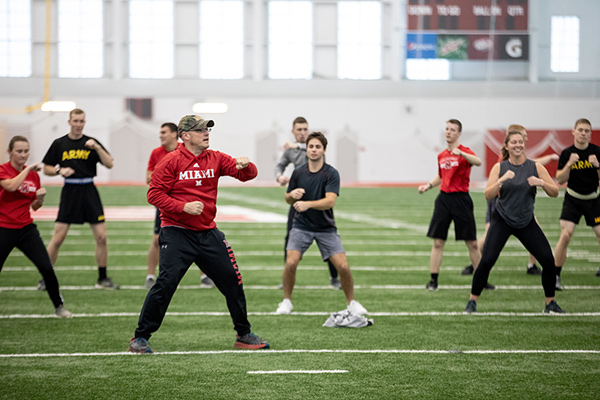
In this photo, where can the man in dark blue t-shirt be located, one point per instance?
(312, 191)
(579, 165)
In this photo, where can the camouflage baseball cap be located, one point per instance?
(193, 123)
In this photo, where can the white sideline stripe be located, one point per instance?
(306, 287)
(300, 371)
(312, 314)
(230, 213)
(297, 351)
(386, 223)
(578, 269)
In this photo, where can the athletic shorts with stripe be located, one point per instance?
(574, 208)
(79, 204)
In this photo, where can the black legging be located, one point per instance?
(209, 250)
(28, 240)
(534, 241)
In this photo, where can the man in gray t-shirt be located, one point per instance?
(295, 153)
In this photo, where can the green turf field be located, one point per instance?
(420, 346)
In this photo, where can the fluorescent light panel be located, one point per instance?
(58, 106)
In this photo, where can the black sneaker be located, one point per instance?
(250, 341)
(468, 270)
(558, 285)
(106, 283)
(139, 345)
(206, 282)
(553, 308)
(471, 307)
(336, 284)
(489, 286)
(432, 285)
(534, 270)
(598, 273)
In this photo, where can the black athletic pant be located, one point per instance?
(534, 241)
(28, 240)
(209, 250)
(332, 271)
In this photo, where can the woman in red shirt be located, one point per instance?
(20, 190)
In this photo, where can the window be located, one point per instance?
(564, 47)
(80, 39)
(221, 39)
(151, 39)
(359, 40)
(290, 39)
(428, 69)
(15, 38)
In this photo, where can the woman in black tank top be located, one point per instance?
(515, 182)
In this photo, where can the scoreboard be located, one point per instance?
(468, 29)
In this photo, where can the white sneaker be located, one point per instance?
(356, 308)
(62, 312)
(285, 307)
(150, 281)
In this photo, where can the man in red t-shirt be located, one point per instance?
(453, 203)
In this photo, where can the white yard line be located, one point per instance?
(581, 254)
(306, 287)
(576, 270)
(299, 371)
(315, 313)
(302, 351)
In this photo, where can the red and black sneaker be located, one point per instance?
(250, 341)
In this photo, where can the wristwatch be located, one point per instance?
(57, 169)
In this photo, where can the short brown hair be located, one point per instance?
(455, 122)
(169, 125)
(582, 121)
(75, 111)
(299, 120)
(16, 139)
(319, 136)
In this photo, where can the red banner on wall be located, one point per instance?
(539, 143)
(472, 15)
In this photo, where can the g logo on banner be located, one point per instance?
(514, 48)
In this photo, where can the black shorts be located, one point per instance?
(157, 222)
(79, 204)
(574, 208)
(457, 207)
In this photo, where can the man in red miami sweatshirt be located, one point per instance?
(184, 188)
